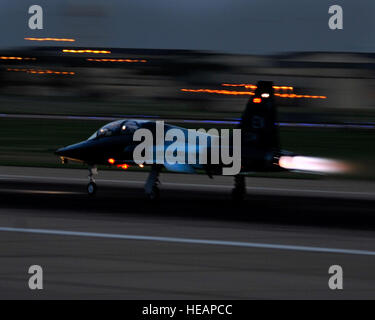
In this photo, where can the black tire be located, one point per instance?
(238, 194)
(92, 188)
(155, 194)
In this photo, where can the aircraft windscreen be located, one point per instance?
(116, 127)
(107, 130)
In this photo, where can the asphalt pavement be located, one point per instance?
(195, 243)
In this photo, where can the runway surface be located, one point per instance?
(195, 243)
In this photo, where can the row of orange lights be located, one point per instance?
(228, 92)
(122, 166)
(117, 60)
(42, 71)
(292, 95)
(16, 58)
(50, 39)
(252, 86)
(85, 51)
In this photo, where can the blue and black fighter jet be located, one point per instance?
(114, 145)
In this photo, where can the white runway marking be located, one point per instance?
(190, 241)
(293, 191)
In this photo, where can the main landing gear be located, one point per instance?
(92, 187)
(152, 184)
(239, 190)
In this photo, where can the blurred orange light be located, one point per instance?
(247, 86)
(252, 86)
(85, 51)
(257, 100)
(141, 166)
(123, 166)
(285, 95)
(111, 160)
(34, 71)
(225, 92)
(283, 88)
(50, 39)
(117, 60)
(16, 58)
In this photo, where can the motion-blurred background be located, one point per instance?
(191, 62)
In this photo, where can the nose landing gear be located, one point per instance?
(151, 187)
(92, 187)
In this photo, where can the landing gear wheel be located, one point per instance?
(92, 188)
(155, 194)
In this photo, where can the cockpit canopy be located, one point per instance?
(116, 128)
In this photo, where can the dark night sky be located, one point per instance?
(240, 26)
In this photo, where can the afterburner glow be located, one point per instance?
(310, 164)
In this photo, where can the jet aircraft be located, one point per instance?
(113, 145)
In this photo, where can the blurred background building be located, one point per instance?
(192, 45)
(153, 77)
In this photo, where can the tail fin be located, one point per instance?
(258, 120)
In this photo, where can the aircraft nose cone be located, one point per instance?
(69, 151)
(74, 151)
(60, 152)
